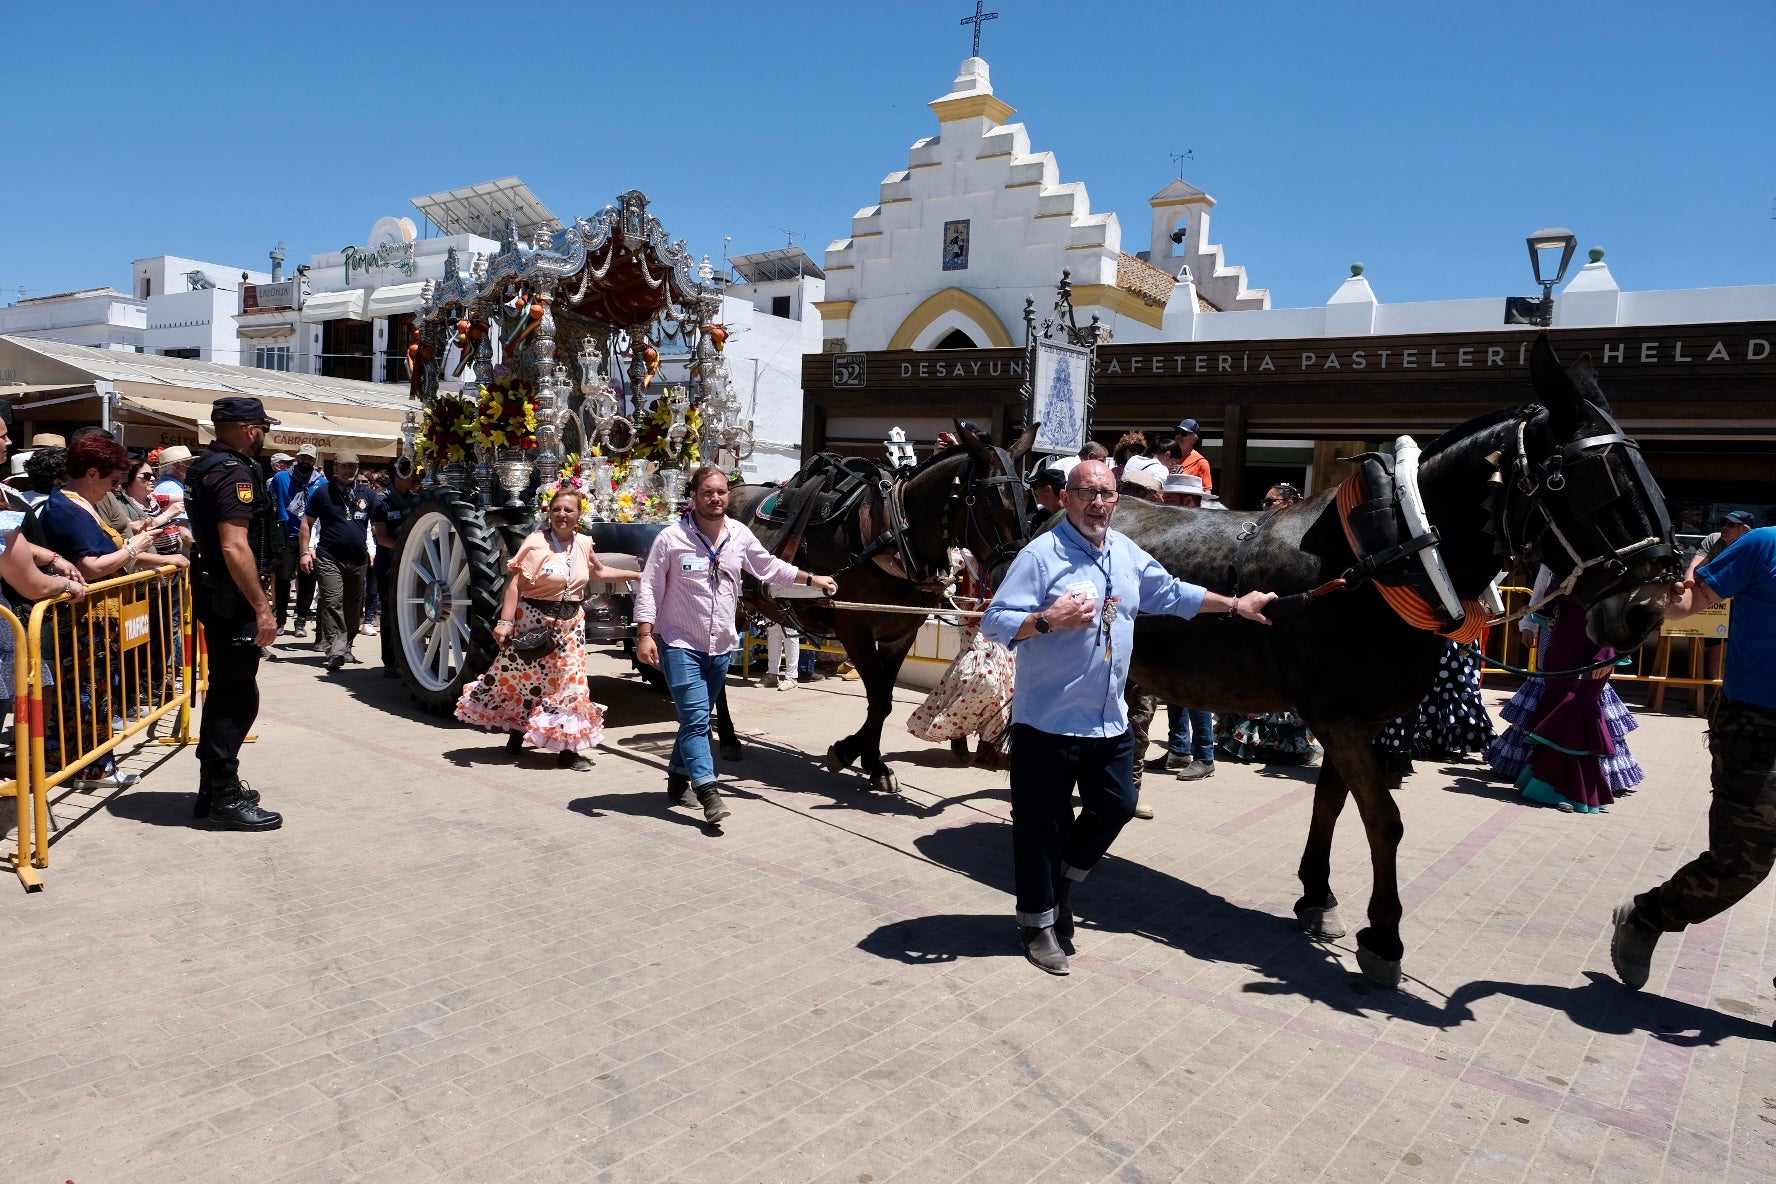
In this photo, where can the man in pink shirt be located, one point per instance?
(688, 600)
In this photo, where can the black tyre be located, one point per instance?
(448, 581)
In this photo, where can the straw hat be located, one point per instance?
(171, 456)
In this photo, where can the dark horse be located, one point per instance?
(894, 550)
(1554, 481)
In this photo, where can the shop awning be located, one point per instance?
(388, 302)
(369, 437)
(160, 400)
(334, 306)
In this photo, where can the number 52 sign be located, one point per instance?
(850, 371)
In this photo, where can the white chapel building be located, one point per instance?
(977, 222)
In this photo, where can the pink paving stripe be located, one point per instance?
(1258, 814)
(1653, 1118)
(1657, 1087)
(1426, 883)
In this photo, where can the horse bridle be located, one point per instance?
(977, 486)
(1575, 482)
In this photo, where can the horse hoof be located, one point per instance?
(835, 761)
(1320, 924)
(1383, 972)
(885, 783)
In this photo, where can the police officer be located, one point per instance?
(386, 517)
(235, 555)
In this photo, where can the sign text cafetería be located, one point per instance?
(1677, 351)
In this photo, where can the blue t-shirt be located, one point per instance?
(291, 498)
(1070, 681)
(71, 531)
(1745, 573)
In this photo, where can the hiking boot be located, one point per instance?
(713, 808)
(1176, 762)
(231, 810)
(1196, 771)
(574, 760)
(678, 790)
(1063, 926)
(201, 807)
(1043, 949)
(1631, 948)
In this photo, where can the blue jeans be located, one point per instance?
(695, 680)
(1192, 732)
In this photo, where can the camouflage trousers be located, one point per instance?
(1141, 707)
(1741, 824)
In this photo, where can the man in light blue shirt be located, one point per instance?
(1067, 609)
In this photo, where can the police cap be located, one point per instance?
(239, 409)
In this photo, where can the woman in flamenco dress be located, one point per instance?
(1567, 745)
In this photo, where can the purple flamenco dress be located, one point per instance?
(1567, 745)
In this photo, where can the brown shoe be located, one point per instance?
(1197, 771)
(714, 810)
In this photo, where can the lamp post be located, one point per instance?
(1542, 244)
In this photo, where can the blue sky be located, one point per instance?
(1423, 139)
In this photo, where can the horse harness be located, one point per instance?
(1381, 513)
(832, 485)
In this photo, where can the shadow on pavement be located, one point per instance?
(648, 804)
(926, 941)
(792, 771)
(1480, 787)
(156, 807)
(1603, 1005)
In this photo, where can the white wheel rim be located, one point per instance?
(432, 602)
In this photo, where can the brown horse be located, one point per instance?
(893, 549)
(1556, 482)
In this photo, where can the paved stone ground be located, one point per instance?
(449, 968)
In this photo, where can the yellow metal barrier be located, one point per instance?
(95, 673)
(19, 787)
(1652, 662)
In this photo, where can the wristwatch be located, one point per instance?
(1042, 625)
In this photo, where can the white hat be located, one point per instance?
(18, 462)
(171, 456)
(1183, 483)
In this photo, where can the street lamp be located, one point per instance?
(1542, 244)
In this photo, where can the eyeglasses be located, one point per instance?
(1271, 501)
(1092, 495)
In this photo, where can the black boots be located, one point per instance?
(232, 809)
(573, 760)
(201, 807)
(678, 790)
(514, 743)
(1043, 949)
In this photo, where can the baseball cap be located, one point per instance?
(1189, 425)
(1739, 518)
(278, 458)
(310, 451)
(1053, 478)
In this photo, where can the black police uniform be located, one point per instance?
(227, 486)
(390, 510)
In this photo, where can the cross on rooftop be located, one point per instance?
(977, 20)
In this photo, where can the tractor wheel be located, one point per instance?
(448, 582)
